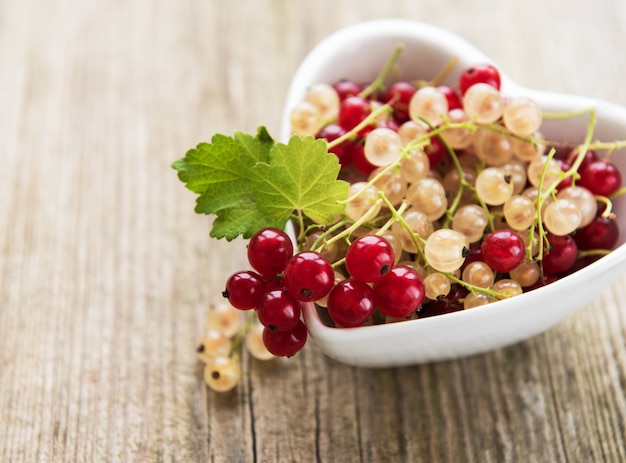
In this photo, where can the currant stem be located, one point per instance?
(457, 165)
(379, 82)
(608, 206)
(593, 252)
(474, 289)
(619, 192)
(364, 123)
(394, 213)
(607, 146)
(370, 213)
(567, 114)
(441, 75)
(320, 243)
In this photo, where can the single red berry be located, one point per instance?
(600, 233)
(350, 303)
(343, 150)
(589, 157)
(436, 151)
(360, 162)
(561, 254)
(244, 289)
(438, 307)
(453, 97)
(308, 276)
(391, 123)
(400, 292)
(354, 110)
(602, 178)
(285, 343)
(278, 310)
(346, 88)
(269, 250)
(369, 258)
(480, 73)
(399, 95)
(502, 250)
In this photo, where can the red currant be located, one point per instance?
(561, 255)
(590, 156)
(278, 310)
(350, 303)
(453, 97)
(400, 292)
(285, 343)
(436, 151)
(352, 111)
(439, 307)
(399, 95)
(502, 250)
(480, 73)
(357, 154)
(308, 276)
(346, 88)
(269, 250)
(391, 123)
(369, 258)
(602, 178)
(343, 151)
(244, 289)
(601, 233)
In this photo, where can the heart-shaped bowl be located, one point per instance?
(358, 52)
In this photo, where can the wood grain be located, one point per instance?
(106, 273)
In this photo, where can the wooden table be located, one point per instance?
(106, 273)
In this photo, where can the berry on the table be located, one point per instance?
(222, 374)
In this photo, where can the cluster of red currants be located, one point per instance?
(276, 286)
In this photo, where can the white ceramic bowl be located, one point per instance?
(358, 52)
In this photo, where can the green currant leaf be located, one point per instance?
(245, 221)
(221, 172)
(301, 176)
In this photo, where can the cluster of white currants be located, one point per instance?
(218, 348)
